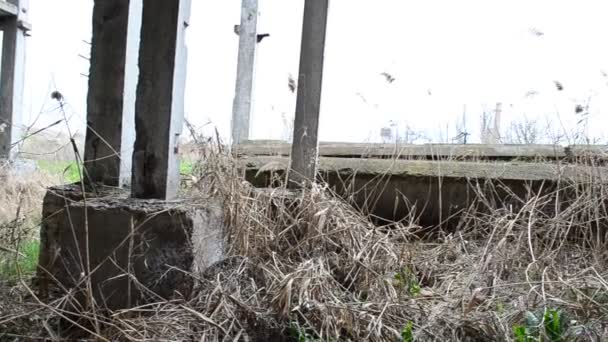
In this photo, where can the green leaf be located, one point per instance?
(520, 333)
(553, 325)
(407, 333)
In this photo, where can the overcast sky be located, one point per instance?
(444, 55)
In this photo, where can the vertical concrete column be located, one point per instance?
(306, 124)
(14, 28)
(242, 105)
(159, 109)
(111, 97)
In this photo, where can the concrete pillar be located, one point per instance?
(306, 124)
(159, 109)
(242, 105)
(14, 26)
(112, 85)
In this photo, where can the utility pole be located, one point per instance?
(305, 145)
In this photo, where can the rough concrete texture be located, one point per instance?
(424, 151)
(105, 104)
(245, 73)
(159, 106)
(433, 191)
(305, 147)
(12, 78)
(154, 241)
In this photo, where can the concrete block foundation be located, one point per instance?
(133, 251)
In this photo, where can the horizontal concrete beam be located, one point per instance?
(446, 169)
(432, 192)
(587, 150)
(7, 9)
(429, 151)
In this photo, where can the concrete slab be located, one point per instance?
(425, 151)
(586, 151)
(138, 250)
(446, 169)
(8, 9)
(432, 191)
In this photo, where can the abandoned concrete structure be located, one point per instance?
(125, 218)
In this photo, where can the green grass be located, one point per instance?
(407, 333)
(552, 327)
(23, 264)
(186, 167)
(406, 279)
(67, 171)
(300, 334)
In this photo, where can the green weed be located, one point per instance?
(522, 334)
(553, 327)
(186, 167)
(407, 333)
(406, 279)
(24, 263)
(68, 171)
(300, 334)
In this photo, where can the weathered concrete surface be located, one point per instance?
(111, 98)
(106, 112)
(12, 75)
(598, 152)
(305, 147)
(454, 169)
(425, 151)
(245, 74)
(435, 191)
(8, 9)
(154, 241)
(159, 109)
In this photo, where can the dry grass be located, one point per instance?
(306, 266)
(20, 207)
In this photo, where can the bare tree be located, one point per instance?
(527, 131)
